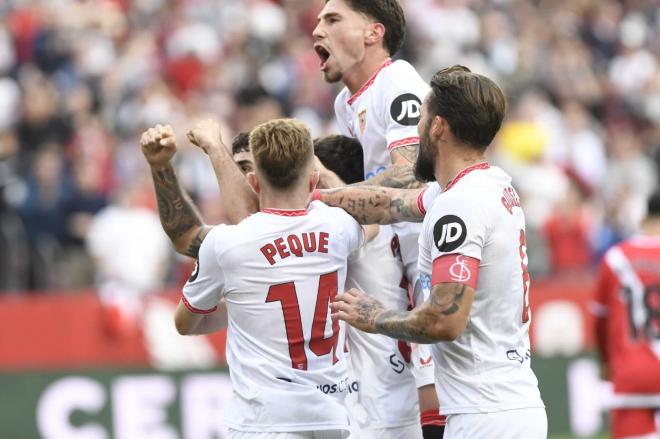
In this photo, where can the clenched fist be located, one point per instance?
(206, 135)
(158, 145)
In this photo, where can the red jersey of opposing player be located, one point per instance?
(628, 300)
(627, 306)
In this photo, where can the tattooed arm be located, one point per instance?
(441, 318)
(180, 219)
(376, 205)
(400, 174)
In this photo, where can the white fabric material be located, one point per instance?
(271, 391)
(369, 119)
(531, 423)
(411, 431)
(487, 368)
(387, 391)
(328, 434)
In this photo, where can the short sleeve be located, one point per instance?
(456, 232)
(402, 104)
(204, 289)
(428, 196)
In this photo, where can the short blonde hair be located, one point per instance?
(282, 148)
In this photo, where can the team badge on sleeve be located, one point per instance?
(449, 233)
(405, 109)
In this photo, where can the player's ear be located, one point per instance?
(253, 181)
(314, 180)
(375, 33)
(438, 126)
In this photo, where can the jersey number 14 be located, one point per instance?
(320, 345)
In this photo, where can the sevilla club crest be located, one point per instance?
(362, 117)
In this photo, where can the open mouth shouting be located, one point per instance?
(324, 55)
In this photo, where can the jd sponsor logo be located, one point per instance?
(449, 233)
(405, 109)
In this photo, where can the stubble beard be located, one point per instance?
(332, 77)
(425, 163)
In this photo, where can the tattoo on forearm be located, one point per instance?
(375, 205)
(397, 324)
(396, 176)
(449, 304)
(415, 327)
(177, 214)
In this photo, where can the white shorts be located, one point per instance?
(529, 423)
(328, 434)
(412, 431)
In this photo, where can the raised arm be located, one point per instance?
(400, 174)
(179, 217)
(375, 205)
(441, 318)
(238, 198)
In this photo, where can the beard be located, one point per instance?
(332, 77)
(425, 163)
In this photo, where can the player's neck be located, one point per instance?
(359, 74)
(448, 166)
(294, 200)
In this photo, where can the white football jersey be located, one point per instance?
(381, 364)
(278, 271)
(474, 234)
(383, 115)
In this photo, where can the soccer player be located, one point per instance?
(473, 264)
(627, 309)
(277, 272)
(388, 393)
(355, 40)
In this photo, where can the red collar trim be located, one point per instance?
(465, 172)
(369, 83)
(284, 212)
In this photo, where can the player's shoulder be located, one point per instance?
(322, 210)
(400, 70)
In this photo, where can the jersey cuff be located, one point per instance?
(455, 268)
(194, 310)
(403, 142)
(420, 201)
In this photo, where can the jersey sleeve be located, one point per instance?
(428, 196)
(401, 104)
(204, 289)
(598, 307)
(456, 232)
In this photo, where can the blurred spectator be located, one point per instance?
(131, 254)
(567, 231)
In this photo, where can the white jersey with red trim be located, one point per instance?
(383, 115)
(387, 386)
(474, 234)
(278, 271)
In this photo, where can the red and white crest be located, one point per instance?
(362, 118)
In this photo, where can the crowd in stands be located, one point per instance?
(81, 79)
